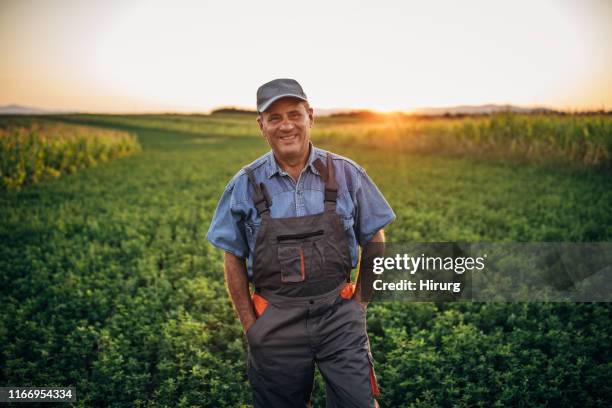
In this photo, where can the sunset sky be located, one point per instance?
(191, 56)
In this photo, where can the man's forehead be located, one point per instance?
(285, 104)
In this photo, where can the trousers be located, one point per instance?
(293, 334)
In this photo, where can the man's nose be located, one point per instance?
(286, 125)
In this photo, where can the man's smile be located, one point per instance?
(288, 137)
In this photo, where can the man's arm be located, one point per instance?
(237, 285)
(363, 289)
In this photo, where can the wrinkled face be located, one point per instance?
(286, 126)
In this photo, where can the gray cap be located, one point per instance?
(272, 91)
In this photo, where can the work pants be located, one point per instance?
(293, 334)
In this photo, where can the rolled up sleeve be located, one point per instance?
(227, 229)
(373, 211)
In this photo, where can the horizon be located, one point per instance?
(113, 57)
(425, 110)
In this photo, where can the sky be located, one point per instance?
(193, 56)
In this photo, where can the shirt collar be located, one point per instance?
(273, 167)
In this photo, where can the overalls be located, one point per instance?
(301, 274)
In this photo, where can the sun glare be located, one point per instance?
(386, 56)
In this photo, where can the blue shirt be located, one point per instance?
(361, 206)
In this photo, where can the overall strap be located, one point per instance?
(331, 186)
(260, 195)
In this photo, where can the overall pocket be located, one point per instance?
(297, 255)
(294, 261)
(262, 310)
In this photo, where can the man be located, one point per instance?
(290, 223)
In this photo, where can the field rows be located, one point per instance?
(108, 283)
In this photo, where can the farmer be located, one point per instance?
(290, 223)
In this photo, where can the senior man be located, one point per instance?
(290, 223)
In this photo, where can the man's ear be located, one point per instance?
(311, 116)
(260, 123)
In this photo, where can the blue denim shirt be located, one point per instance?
(362, 207)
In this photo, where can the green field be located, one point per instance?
(108, 284)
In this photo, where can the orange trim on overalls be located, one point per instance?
(374, 383)
(348, 290)
(259, 304)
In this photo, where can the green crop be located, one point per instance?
(107, 282)
(39, 151)
(583, 141)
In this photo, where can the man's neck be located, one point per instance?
(294, 165)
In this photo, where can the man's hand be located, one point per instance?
(237, 286)
(363, 290)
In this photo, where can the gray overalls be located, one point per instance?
(301, 274)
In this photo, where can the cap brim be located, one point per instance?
(266, 105)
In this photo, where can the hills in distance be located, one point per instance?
(21, 110)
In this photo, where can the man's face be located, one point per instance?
(286, 126)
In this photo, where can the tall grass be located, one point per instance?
(585, 141)
(37, 151)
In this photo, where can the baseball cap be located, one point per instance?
(272, 91)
